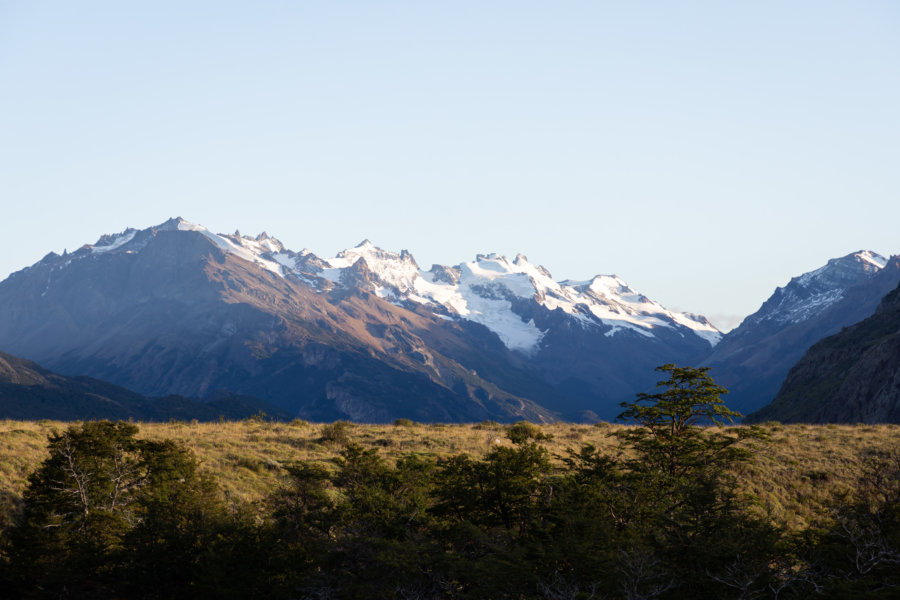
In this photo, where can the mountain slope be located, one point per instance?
(595, 342)
(365, 335)
(171, 310)
(28, 391)
(850, 377)
(753, 359)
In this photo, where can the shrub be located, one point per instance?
(521, 432)
(335, 433)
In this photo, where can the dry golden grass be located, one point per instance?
(794, 474)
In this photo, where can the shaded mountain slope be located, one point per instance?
(850, 377)
(753, 360)
(28, 391)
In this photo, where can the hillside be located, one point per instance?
(852, 376)
(28, 391)
(753, 359)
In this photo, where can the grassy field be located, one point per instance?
(794, 473)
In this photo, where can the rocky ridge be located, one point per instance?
(850, 377)
(366, 335)
(753, 359)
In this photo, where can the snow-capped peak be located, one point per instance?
(872, 258)
(845, 269)
(247, 248)
(491, 289)
(107, 243)
(395, 271)
(813, 292)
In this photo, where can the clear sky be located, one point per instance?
(705, 152)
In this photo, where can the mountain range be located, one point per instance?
(368, 335)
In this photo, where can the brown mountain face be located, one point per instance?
(178, 315)
(850, 377)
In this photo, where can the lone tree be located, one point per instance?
(670, 436)
(681, 475)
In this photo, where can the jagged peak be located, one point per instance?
(479, 290)
(184, 225)
(371, 253)
(873, 258)
(491, 256)
(172, 223)
(857, 264)
(445, 274)
(810, 293)
(698, 318)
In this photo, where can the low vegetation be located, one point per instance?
(663, 508)
(794, 473)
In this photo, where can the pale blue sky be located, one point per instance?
(703, 151)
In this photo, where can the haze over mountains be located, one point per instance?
(371, 336)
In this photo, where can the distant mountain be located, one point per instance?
(850, 377)
(496, 292)
(594, 342)
(753, 359)
(28, 391)
(366, 335)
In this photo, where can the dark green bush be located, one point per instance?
(521, 432)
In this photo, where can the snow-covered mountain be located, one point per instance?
(753, 359)
(366, 334)
(850, 377)
(808, 295)
(369, 335)
(484, 290)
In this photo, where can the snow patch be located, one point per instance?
(487, 290)
(117, 242)
(249, 253)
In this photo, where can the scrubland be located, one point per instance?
(796, 470)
